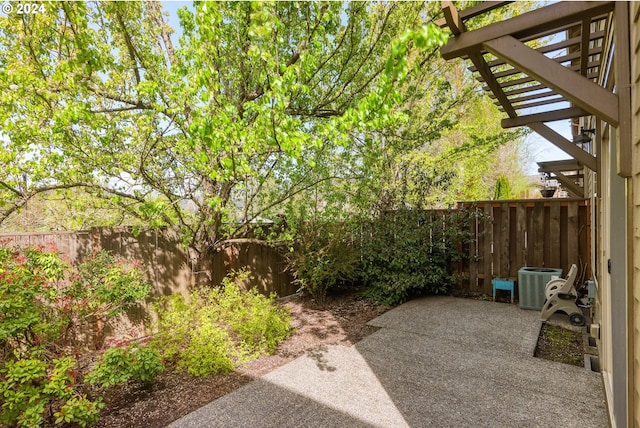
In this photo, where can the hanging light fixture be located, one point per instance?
(583, 138)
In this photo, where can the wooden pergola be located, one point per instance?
(549, 61)
(566, 172)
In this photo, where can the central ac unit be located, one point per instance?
(531, 283)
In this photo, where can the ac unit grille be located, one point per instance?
(531, 283)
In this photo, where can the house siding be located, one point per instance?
(634, 189)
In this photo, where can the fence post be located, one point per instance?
(487, 229)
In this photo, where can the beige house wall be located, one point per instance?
(634, 258)
(617, 236)
(603, 307)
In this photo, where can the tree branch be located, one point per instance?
(166, 38)
(132, 52)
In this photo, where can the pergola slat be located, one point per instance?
(554, 47)
(558, 99)
(584, 46)
(549, 116)
(529, 79)
(518, 100)
(514, 71)
(576, 88)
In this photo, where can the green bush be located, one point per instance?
(324, 257)
(255, 320)
(44, 304)
(120, 365)
(29, 387)
(410, 252)
(219, 328)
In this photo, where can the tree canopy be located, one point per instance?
(257, 109)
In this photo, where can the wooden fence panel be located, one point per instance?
(473, 255)
(497, 241)
(554, 232)
(168, 266)
(573, 232)
(510, 235)
(486, 231)
(521, 234)
(505, 250)
(540, 233)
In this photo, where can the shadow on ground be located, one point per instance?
(438, 361)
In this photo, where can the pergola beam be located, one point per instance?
(549, 116)
(569, 185)
(455, 23)
(559, 165)
(528, 24)
(623, 82)
(453, 18)
(565, 145)
(577, 89)
(471, 12)
(493, 84)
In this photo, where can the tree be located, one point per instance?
(96, 96)
(503, 188)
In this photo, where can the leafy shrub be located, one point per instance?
(219, 328)
(255, 320)
(110, 284)
(44, 303)
(120, 365)
(324, 257)
(29, 386)
(410, 252)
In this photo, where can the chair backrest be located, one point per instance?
(571, 278)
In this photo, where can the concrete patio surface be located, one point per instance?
(436, 361)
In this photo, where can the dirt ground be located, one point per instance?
(342, 320)
(561, 345)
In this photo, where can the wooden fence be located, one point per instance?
(513, 234)
(168, 265)
(508, 236)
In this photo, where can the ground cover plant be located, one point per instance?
(341, 320)
(324, 256)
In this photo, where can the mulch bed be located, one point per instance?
(342, 320)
